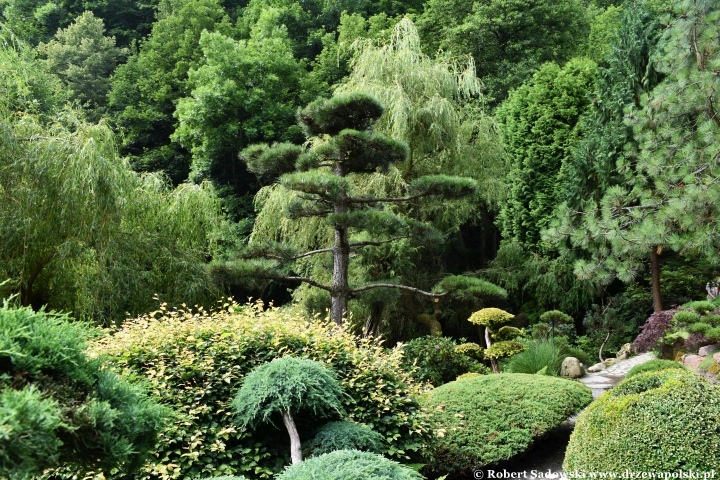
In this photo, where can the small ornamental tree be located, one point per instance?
(325, 180)
(349, 465)
(493, 321)
(555, 317)
(288, 386)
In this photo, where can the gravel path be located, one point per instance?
(601, 381)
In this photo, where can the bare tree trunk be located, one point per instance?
(607, 337)
(295, 450)
(655, 276)
(340, 291)
(488, 344)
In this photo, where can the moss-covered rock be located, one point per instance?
(662, 421)
(484, 420)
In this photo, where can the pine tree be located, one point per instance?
(323, 179)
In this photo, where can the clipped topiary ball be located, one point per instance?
(349, 465)
(491, 317)
(507, 333)
(471, 349)
(663, 421)
(504, 349)
(484, 420)
(344, 435)
(227, 477)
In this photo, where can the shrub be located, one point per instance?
(344, 435)
(713, 333)
(470, 349)
(468, 375)
(653, 366)
(484, 420)
(227, 477)
(504, 349)
(349, 465)
(537, 355)
(653, 331)
(196, 362)
(713, 319)
(662, 421)
(701, 307)
(699, 327)
(686, 317)
(58, 406)
(491, 317)
(290, 387)
(437, 361)
(508, 333)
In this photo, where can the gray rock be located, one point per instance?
(572, 368)
(610, 361)
(598, 367)
(692, 361)
(716, 357)
(625, 352)
(708, 349)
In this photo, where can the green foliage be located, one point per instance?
(653, 366)
(146, 89)
(287, 384)
(484, 420)
(686, 317)
(332, 116)
(84, 58)
(344, 435)
(57, 406)
(504, 349)
(538, 355)
(713, 334)
(490, 317)
(539, 122)
(245, 92)
(125, 233)
(667, 411)
(701, 307)
(509, 39)
(508, 333)
(195, 362)
(438, 360)
(472, 350)
(699, 327)
(556, 317)
(349, 465)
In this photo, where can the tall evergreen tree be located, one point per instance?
(323, 180)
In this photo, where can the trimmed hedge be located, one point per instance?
(484, 420)
(662, 421)
(653, 366)
(349, 465)
(195, 363)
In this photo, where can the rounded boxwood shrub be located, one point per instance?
(484, 420)
(349, 465)
(196, 362)
(344, 435)
(662, 421)
(686, 317)
(653, 366)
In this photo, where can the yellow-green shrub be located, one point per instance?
(196, 362)
(658, 421)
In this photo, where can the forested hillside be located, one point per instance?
(399, 164)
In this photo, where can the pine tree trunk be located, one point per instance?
(295, 450)
(340, 291)
(655, 276)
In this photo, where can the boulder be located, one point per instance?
(598, 367)
(708, 349)
(610, 361)
(692, 361)
(572, 368)
(625, 352)
(716, 357)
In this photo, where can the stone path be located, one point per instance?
(601, 381)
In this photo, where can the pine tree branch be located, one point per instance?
(395, 285)
(378, 243)
(386, 199)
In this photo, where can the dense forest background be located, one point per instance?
(589, 127)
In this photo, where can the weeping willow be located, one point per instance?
(82, 232)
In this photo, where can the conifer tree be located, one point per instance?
(323, 180)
